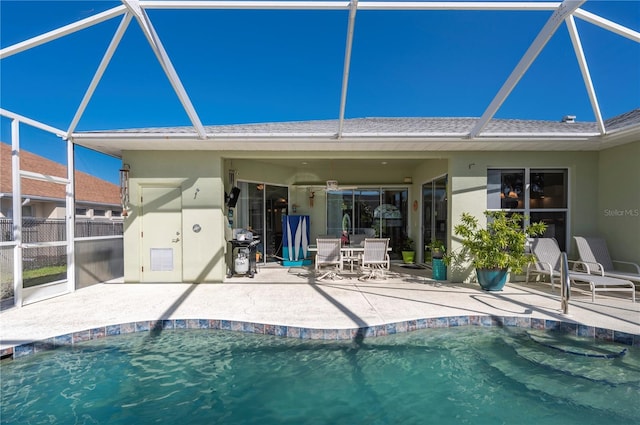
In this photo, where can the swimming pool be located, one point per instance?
(444, 376)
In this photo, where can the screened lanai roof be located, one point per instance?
(483, 132)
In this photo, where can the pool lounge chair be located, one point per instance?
(375, 258)
(328, 262)
(595, 257)
(547, 253)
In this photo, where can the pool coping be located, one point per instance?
(73, 338)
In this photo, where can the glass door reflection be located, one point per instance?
(260, 209)
(434, 214)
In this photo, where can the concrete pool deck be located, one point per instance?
(293, 297)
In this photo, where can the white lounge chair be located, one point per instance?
(547, 253)
(594, 254)
(328, 262)
(375, 258)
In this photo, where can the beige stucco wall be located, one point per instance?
(601, 185)
(199, 176)
(468, 185)
(618, 209)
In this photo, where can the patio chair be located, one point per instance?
(328, 262)
(595, 256)
(547, 253)
(375, 259)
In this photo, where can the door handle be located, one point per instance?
(175, 240)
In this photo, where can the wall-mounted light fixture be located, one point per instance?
(124, 187)
(312, 195)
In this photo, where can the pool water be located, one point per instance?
(466, 375)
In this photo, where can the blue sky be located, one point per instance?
(260, 66)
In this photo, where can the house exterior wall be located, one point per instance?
(203, 258)
(468, 184)
(618, 212)
(591, 177)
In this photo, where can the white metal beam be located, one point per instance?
(463, 5)
(115, 41)
(165, 62)
(17, 212)
(250, 5)
(608, 25)
(565, 9)
(62, 31)
(43, 177)
(347, 64)
(32, 123)
(584, 69)
(70, 210)
(342, 5)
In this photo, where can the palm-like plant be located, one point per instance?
(501, 245)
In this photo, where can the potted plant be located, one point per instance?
(438, 268)
(496, 249)
(408, 251)
(437, 249)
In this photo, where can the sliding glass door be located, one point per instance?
(260, 209)
(372, 212)
(434, 214)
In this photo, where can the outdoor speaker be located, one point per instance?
(233, 197)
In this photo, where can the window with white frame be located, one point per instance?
(538, 193)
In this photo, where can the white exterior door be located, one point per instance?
(161, 234)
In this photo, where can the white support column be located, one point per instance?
(71, 218)
(353, 8)
(17, 213)
(115, 41)
(565, 9)
(584, 69)
(165, 62)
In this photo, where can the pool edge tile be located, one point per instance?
(573, 328)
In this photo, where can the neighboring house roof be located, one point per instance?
(88, 188)
(388, 133)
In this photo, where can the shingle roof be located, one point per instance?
(88, 188)
(623, 120)
(404, 126)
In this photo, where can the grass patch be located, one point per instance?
(31, 278)
(44, 271)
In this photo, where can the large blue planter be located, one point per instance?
(492, 279)
(439, 269)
